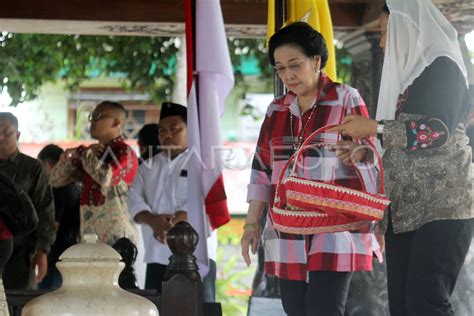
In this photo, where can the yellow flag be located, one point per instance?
(317, 14)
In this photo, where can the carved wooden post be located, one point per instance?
(368, 290)
(182, 285)
(367, 62)
(265, 285)
(280, 19)
(128, 251)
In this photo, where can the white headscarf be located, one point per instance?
(417, 34)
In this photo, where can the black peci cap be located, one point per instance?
(173, 109)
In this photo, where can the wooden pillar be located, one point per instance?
(280, 18)
(265, 285)
(368, 290)
(367, 62)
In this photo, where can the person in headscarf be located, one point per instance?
(422, 107)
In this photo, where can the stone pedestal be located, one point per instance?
(90, 272)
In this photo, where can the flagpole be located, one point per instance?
(280, 18)
(265, 284)
(207, 202)
(195, 73)
(189, 10)
(192, 76)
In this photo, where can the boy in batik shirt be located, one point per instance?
(105, 171)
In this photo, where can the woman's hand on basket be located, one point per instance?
(356, 126)
(250, 238)
(350, 152)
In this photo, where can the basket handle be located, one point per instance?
(297, 154)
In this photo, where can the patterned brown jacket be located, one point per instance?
(427, 158)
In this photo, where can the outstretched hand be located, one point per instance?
(357, 127)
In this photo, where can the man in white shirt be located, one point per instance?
(158, 198)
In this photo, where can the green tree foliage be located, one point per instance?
(343, 65)
(256, 48)
(250, 48)
(28, 61)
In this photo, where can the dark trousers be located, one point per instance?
(423, 265)
(18, 272)
(155, 274)
(324, 295)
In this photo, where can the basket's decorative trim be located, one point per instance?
(357, 193)
(320, 230)
(318, 201)
(306, 220)
(297, 213)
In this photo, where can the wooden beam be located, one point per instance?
(244, 12)
(95, 10)
(346, 14)
(166, 11)
(372, 11)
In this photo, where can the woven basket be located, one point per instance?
(305, 206)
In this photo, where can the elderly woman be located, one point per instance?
(422, 106)
(314, 271)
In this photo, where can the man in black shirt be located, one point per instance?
(29, 252)
(67, 219)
